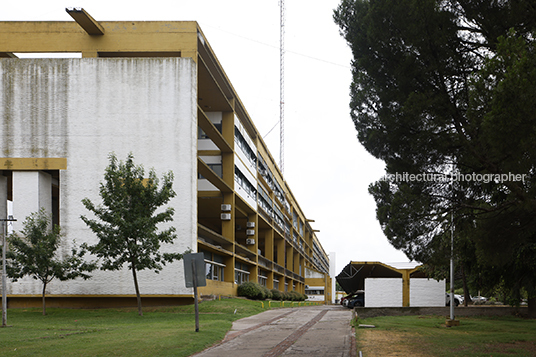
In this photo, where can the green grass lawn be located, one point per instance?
(476, 336)
(121, 332)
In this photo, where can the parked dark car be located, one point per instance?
(354, 300)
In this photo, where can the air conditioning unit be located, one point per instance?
(250, 232)
(250, 224)
(225, 216)
(250, 241)
(226, 207)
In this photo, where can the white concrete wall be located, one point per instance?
(32, 190)
(3, 198)
(83, 109)
(426, 292)
(383, 292)
(312, 274)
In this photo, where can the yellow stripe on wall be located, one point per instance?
(33, 163)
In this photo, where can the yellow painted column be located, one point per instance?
(280, 243)
(270, 280)
(290, 257)
(269, 244)
(296, 263)
(228, 231)
(405, 287)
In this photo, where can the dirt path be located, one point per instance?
(381, 343)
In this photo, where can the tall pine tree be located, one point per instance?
(444, 87)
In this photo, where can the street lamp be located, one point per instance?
(452, 321)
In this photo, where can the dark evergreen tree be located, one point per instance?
(444, 87)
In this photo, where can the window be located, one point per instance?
(264, 200)
(202, 135)
(263, 278)
(241, 273)
(244, 183)
(214, 267)
(243, 144)
(217, 168)
(314, 291)
(214, 271)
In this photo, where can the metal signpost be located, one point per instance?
(194, 276)
(4, 274)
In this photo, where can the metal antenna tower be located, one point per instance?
(282, 86)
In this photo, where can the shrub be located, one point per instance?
(295, 296)
(276, 294)
(250, 290)
(254, 291)
(266, 292)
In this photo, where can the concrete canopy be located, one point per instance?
(352, 277)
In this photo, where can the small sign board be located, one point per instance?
(197, 259)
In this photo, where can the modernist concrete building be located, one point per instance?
(155, 89)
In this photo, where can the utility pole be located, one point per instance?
(282, 86)
(4, 273)
(452, 266)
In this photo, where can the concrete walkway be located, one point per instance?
(313, 331)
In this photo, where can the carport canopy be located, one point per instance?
(352, 277)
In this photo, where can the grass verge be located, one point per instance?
(166, 331)
(428, 336)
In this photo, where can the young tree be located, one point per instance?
(33, 253)
(128, 218)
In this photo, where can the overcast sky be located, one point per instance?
(326, 167)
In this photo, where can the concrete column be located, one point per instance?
(270, 280)
(280, 243)
(290, 257)
(3, 197)
(269, 244)
(296, 264)
(32, 190)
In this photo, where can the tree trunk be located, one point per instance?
(137, 291)
(532, 307)
(43, 299)
(466, 295)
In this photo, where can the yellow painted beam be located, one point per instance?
(88, 23)
(214, 179)
(32, 163)
(129, 37)
(213, 133)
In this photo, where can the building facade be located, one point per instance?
(155, 89)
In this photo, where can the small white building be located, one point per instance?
(392, 285)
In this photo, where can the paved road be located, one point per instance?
(313, 331)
